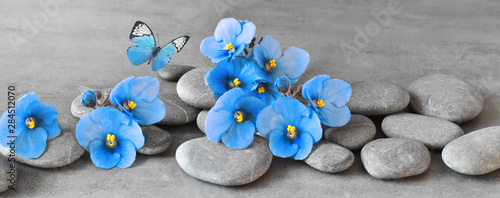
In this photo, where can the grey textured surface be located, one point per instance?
(85, 42)
(394, 158)
(78, 109)
(329, 157)
(176, 111)
(435, 133)
(156, 140)
(193, 90)
(174, 72)
(9, 173)
(355, 134)
(218, 164)
(377, 98)
(476, 153)
(446, 97)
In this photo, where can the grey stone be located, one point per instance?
(78, 109)
(216, 163)
(446, 97)
(355, 134)
(177, 111)
(8, 173)
(200, 120)
(193, 90)
(156, 140)
(377, 98)
(60, 151)
(174, 72)
(329, 157)
(393, 158)
(475, 153)
(435, 133)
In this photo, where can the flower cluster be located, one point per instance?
(254, 85)
(32, 123)
(111, 133)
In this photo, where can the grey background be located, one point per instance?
(84, 43)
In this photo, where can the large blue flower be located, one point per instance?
(111, 138)
(230, 38)
(273, 63)
(227, 75)
(290, 127)
(232, 119)
(328, 97)
(138, 98)
(35, 123)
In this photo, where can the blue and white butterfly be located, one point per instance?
(147, 50)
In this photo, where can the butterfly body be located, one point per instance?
(147, 49)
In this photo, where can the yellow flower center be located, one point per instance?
(111, 141)
(318, 103)
(261, 89)
(238, 116)
(30, 122)
(236, 82)
(271, 65)
(291, 132)
(131, 104)
(230, 47)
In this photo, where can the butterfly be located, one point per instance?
(147, 50)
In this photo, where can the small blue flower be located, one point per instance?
(230, 38)
(232, 119)
(88, 98)
(265, 91)
(111, 138)
(138, 98)
(290, 127)
(274, 63)
(35, 123)
(227, 75)
(328, 98)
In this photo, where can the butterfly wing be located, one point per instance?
(142, 35)
(162, 58)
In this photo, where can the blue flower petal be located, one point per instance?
(118, 94)
(291, 109)
(272, 46)
(216, 79)
(228, 99)
(31, 143)
(333, 116)
(311, 125)
(246, 35)
(305, 142)
(53, 129)
(280, 145)
(143, 88)
(260, 55)
(24, 102)
(251, 105)
(42, 111)
(149, 112)
(214, 50)
(109, 118)
(268, 121)
(239, 135)
(313, 87)
(336, 91)
(292, 64)
(131, 132)
(217, 123)
(127, 152)
(227, 29)
(87, 131)
(102, 156)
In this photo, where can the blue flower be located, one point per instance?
(227, 75)
(230, 38)
(138, 98)
(290, 127)
(232, 119)
(35, 123)
(273, 63)
(88, 98)
(111, 138)
(328, 98)
(265, 91)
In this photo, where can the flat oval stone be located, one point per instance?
(377, 98)
(218, 164)
(193, 90)
(8, 173)
(392, 158)
(177, 111)
(156, 140)
(446, 97)
(355, 134)
(174, 72)
(78, 109)
(60, 151)
(329, 157)
(200, 120)
(435, 133)
(475, 153)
